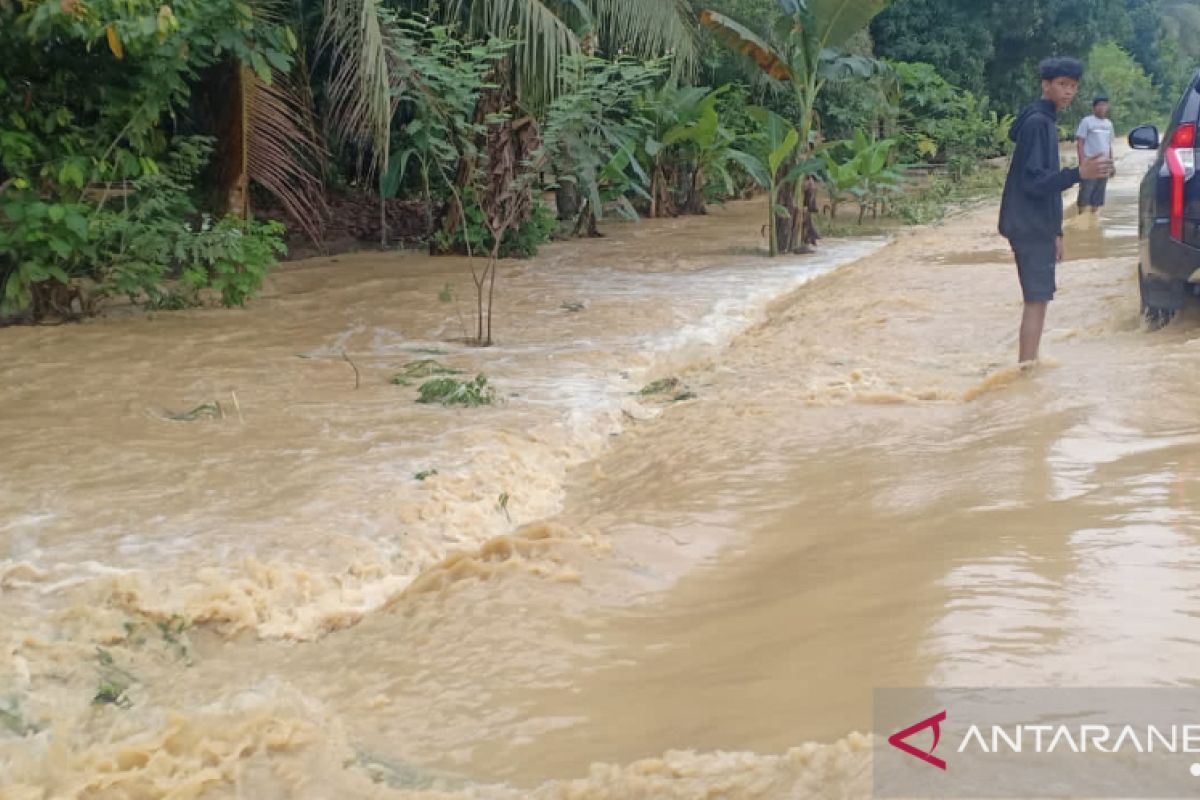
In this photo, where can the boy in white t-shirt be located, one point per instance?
(1095, 138)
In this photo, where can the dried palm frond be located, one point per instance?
(284, 152)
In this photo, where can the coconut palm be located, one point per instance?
(365, 45)
(360, 34)
(548, 30)
(266, 129)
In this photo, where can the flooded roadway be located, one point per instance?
(863, 494)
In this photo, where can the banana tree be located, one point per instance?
(769, 150)
(686, 141)
(864, 173)
(803, 52)
(842, 178)
(878, 176)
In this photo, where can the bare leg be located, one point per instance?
(1032, 323)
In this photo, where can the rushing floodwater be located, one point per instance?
(863, 493)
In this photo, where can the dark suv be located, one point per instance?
(1169, 212)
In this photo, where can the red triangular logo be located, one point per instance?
(935, 722)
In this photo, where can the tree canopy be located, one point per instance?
(992, 48)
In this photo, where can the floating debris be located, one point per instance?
(455, 392)
(419, 370)
(671, 389)
(206, 411)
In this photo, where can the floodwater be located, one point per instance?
(599, 593)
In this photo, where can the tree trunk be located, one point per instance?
(568, 200)
(452, 216)
(231, 123)
(788, 225)
(586, 223)
(810, 208)
(491, 301)
(662, 199)
(696, 202)
(773, 223)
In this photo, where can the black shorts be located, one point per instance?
(1091, 193)
(1036, 265)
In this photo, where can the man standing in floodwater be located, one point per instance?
(1031, 214)
(1095, 137)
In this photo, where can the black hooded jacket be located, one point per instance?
(1032, 209)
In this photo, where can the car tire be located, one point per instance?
(1155, 316)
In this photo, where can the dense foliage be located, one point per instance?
(153, 150)
(93, 183)
(991, 48)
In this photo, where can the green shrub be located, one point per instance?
(940, 121)
(525, 241)
(42, 240)
(522, 242)
(233, 257)
(146, 244)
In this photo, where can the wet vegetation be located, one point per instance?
(425, 368)
(115, 682)
(455, 392)
(168, 154)
(204, 411)
(12, 718)
(668, 389)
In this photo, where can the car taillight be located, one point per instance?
(1181, 163)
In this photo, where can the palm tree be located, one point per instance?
(268, 136)
(547, 30)
(267, 131)
(360, 34)
(365, 43)
(806, 55)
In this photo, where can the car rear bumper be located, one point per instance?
(1170, 269)
(1171, 259)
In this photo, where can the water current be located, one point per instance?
(590, 591)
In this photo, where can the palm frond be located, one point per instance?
(284, 152)
(649, 28)
(272, 11)
(544, 35)
(542, 38)
(361, 102)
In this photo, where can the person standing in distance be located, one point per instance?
(1095, 138)
(1031, 213)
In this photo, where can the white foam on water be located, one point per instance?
(740, 297)
(562, 401)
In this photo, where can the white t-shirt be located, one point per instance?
(1097, 135)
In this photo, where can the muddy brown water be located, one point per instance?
(863, 493)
